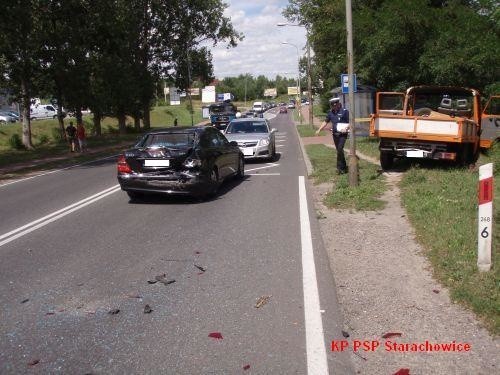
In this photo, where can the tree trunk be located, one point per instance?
(146, 121)
(26, 117)
(60, 117)
(122, 126)
(137, 122)
(97, 124)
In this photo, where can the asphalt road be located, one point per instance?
(73, 249)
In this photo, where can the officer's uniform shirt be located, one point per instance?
(334, 116)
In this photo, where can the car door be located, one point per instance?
(230, 155)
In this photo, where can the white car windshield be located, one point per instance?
(247, 127)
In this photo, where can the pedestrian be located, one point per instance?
(175, 121)
(71, 133)
(339, 118)
(80, 135)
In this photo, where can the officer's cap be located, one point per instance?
(334, 100)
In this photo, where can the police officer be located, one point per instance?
(337, 115)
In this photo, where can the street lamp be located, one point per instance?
(309, 85)
(298, 79)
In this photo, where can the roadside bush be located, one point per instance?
(57, 136)
(44, 139)
(15, 142)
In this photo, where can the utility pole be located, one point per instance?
(309, 86)
(353, 160)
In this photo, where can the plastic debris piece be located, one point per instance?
(113, 312)
(262, 301)
(391, 334)
(197, 252)
(246, 367)
(152, 281)
(34, 362)
(215, 335)
(345, 334)
(403, 371)
(200, 268)
(25, 300)
(50, 313)
(435, 291)
(360, 356)
(133, 295)
(148, 309)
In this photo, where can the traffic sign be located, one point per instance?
(344, 83)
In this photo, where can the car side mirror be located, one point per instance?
(233, 143)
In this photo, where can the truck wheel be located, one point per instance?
(386, 160)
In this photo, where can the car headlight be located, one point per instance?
(192, 163)
(264, 142)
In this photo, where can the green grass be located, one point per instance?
(368, 146)
(442, 206)
(364, 197)
(306, 130)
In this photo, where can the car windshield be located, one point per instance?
(173, 140)
(247, 127)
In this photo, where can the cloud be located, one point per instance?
(261, 51)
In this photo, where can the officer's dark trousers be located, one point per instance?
(339, 141)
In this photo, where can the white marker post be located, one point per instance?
(485, 220)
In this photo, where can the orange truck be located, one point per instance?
(431, 122)
(490, 122)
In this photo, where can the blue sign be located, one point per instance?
(344, 83)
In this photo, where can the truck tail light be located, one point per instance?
(123, 166)
(447, 155)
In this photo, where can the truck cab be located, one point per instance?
(221, 114)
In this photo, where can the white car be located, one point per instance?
(254, 136)
(42, 111)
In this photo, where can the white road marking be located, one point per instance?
(280, 140)
(263, 174)
(315, 338)
(269, 165)
(56, 170)
(277, 146)
(43, 221)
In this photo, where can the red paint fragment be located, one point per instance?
(391, 334)
(246, 367)
(215, 335)
(402, 371)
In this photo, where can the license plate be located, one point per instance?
(247, 151)
(414, 154)
(156, 163)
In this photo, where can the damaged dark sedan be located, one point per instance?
(179, 160)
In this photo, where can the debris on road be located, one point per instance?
(113, 312)
(435, 291)
(391, 334)
(152, 281)
(133, 295)
(215, 335)
(246, 367)
(148, 309)
(34, 362)
(25, 300)
(200, 268)
(402, 371)
(262, 301)
(345, 334)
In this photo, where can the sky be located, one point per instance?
(261, 52)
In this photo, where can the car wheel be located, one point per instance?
(241, 169)
(386, 160)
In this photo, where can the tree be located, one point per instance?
(20, 53)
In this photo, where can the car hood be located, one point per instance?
(247, 137)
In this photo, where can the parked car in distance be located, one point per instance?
(179, 160)
(6, 117)
(291, 105)
(283, 109)
(43, 111)
(254, 137)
